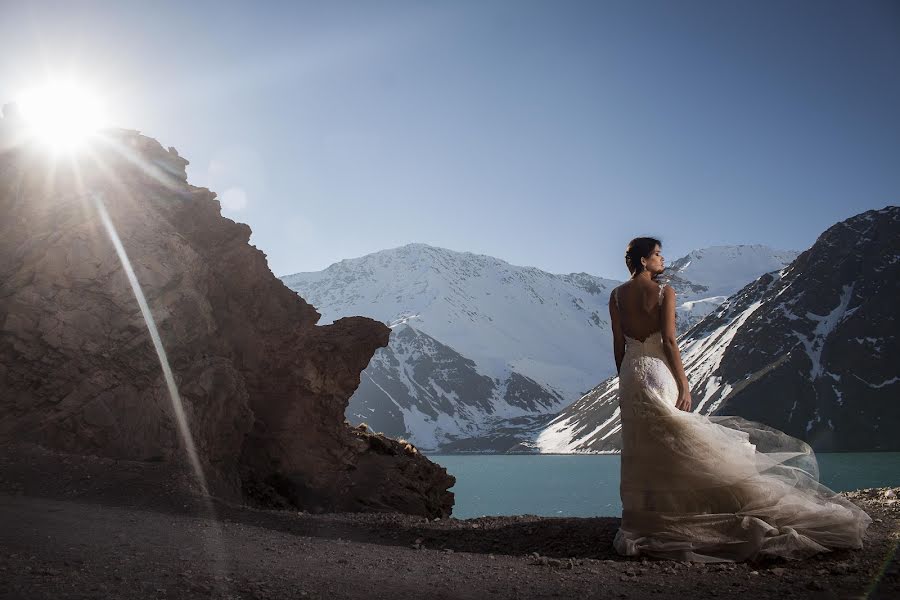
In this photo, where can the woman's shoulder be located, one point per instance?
(618, 289)
(614, 294)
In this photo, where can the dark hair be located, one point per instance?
(637, 249)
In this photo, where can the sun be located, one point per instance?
(61, 115)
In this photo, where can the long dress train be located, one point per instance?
(711, 489)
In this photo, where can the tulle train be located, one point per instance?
(718, 488)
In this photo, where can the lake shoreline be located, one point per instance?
(430, 455)
(588, 485)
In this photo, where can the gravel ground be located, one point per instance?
(72, 527)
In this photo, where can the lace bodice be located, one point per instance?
(652, 342)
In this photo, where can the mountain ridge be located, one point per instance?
(479, 318)
(787, 349)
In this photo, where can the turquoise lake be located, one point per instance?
(588, 485)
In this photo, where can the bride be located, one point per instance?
(704, 488)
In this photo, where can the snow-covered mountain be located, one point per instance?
(706, 277)
(811, 349)
(722, 270)
(423, 389)
(476, 339)
(483, 351)
(551, 328)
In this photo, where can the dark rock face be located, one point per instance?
(811, 350)
(818, 358)
(264, 389)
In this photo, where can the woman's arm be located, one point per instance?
(618, 336)
(670, 347)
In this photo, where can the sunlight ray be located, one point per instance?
(177, 406)
(213, 539)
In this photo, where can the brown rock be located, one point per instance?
(263, 387)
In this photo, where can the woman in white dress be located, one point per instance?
(703, 488)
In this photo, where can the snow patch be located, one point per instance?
(825, 325)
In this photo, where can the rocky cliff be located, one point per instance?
(816, 346)
(263, 387)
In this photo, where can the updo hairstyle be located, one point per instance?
(637, 249)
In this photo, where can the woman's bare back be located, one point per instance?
(639, 302)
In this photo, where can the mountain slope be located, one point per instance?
(476, 340)
(722, 270)
(550, 328)
(429, 393)
(706, 277)
(481, 348)
(810, 349)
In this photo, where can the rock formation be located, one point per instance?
(264, 388)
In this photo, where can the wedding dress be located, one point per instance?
(711, 489)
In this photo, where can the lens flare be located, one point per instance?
(175, 397)
(61, 115)
(214, 536)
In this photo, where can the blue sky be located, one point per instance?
(543, 133)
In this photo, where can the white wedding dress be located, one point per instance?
(710, 489)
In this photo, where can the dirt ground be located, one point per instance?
(73, 527)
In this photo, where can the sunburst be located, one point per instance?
(62, 115)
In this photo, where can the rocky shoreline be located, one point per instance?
(87, 527)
